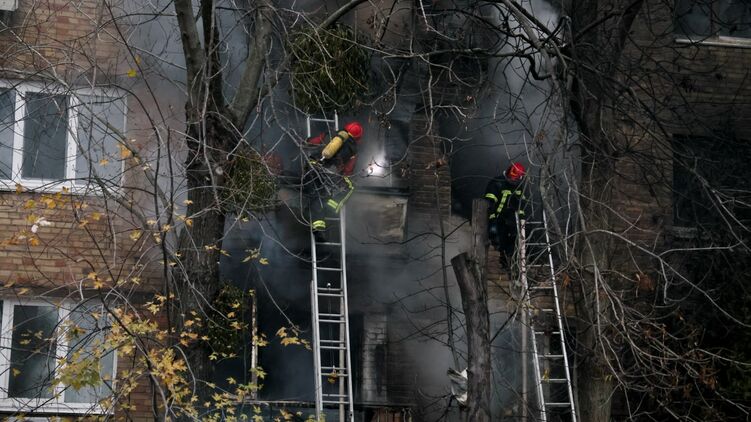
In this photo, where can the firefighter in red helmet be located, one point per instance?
(332, 163)
(504, 194)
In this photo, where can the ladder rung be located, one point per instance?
(555, 380)
(325, 315)
(550, 287)
(329, 289)
(536, 244)
(328, 269)
(558, 404)
(329, 243)
(332, 375)
(334, 402)
(334, 395)
(540, 333)
(331, 341)
(318, 119)
(331, 321)
(551, 356)
(331, 218)
(330, 294)
(333, 348)
(331, 369)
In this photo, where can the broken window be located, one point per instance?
(706, 18)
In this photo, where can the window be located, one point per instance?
(49, 136)
(713, 18)
(711, 181)
(37, 337)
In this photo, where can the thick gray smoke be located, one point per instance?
(399, 278)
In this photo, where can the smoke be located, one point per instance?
(397, 272)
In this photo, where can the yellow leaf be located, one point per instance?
(189, 222)
(34, 241)
(125, 152)
(132, 73)
(263, 261)
(187, 202)
(104, 162)
(19, 188)
(96, 216)
(135, 235)
(29, 204)
(16, 372)
(91, 275)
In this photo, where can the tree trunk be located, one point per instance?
(197, 277)
(473, 288)
(475, 304)
(596, 388)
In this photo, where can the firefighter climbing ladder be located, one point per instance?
(328, 291)
(554, 390)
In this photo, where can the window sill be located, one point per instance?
(48, 186)
(716, 41)
(48, 407)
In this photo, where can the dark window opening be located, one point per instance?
(711, 186)
(707, 18)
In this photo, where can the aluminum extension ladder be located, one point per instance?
(328, 292)
(551, 369)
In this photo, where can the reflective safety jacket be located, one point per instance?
(341, 150)
(505, 198)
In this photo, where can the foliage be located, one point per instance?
(228, 325)
(330, 69)
(250, 184)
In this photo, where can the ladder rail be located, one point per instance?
(559, 318)
(345, 309)
(343, 369)
(316, 325)
(528, 309)
(551, 286)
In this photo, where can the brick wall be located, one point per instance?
(374, 349)
(429, 179)
(66, 38)
(681, 88)
(72, 43)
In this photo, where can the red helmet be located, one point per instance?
(515, 172)
(354, 129)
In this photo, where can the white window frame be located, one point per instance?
(56, 404)
(21, 89)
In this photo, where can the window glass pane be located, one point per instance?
(45, 133)
(734, 18)
(88, 325)
(693, 17)
(32, 357)
(7, 119)
(100, 125)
